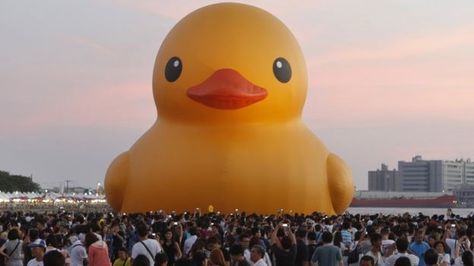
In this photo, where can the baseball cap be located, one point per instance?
(38, 243)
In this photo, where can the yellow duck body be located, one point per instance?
(230, 84)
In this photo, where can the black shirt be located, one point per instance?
(311, 249)
(301, 252)
(284, 258)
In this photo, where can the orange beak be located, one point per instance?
(226, 89)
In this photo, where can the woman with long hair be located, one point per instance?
(217, 258)
(97, 250)
(171, 247)
(440, 248)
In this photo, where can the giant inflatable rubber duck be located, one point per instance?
(229, 84)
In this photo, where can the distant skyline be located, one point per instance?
(388, 80)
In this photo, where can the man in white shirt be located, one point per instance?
(145, 246)
(402, 246)
(189, 242)
(386, 243)
(256, 255)
(38, 248)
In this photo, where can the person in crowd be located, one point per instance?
(366, 260)
(141, 260)
(200, 259)
(189, 242)
(115, 239)
(284, 250)
(302, 257)
(402, 251)
(38, 248)
(431, 258)
(312, 243)
(256, 255)
(346, 234)
(419, 246)
(32, 235)
(244, 242)
(466, 259)
(122, 258)
(337, 241)
(255, 241)
(216, 258)
(462, 244)
(403, 261)
(443, 256)
(388, 244)
(327, 254)
(237, 256)
(171, 247)
(12, 249)
(54, 258)
(145, 246)
(214, 242)
(98, 252)
(161, 259)
(78, 252)
(375, 252)
(458, 243)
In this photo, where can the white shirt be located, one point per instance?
(247, 256)
(260, 262)
(78, 253)
(153, 246)
(378, 259)
(451, 244)
(188, 244)
(266, 258)
(390, 261)
(444, 258)
(34, 262)
(386, 243)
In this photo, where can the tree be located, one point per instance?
(11, 183)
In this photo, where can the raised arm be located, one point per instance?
(274, 237)
(292, 237)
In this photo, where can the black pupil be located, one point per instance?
(282, 70)
(173, 69)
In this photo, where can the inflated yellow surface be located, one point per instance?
(227, 151)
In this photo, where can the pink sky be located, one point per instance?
(387, 80)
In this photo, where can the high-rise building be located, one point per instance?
(383, 179)
(434, 175)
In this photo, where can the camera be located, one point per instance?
(175, 223)
(285, 225)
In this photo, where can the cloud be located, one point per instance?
(89, 43)
(409, 78)
(412, 46)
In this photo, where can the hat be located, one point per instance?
(38, 243)
(82, 237)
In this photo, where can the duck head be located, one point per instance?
(228, 63)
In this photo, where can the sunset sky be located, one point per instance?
(387, 80)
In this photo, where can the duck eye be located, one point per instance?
(282, 70)
(173, 69)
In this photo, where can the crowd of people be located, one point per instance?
(237, 239)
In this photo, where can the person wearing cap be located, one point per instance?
(38, 248)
